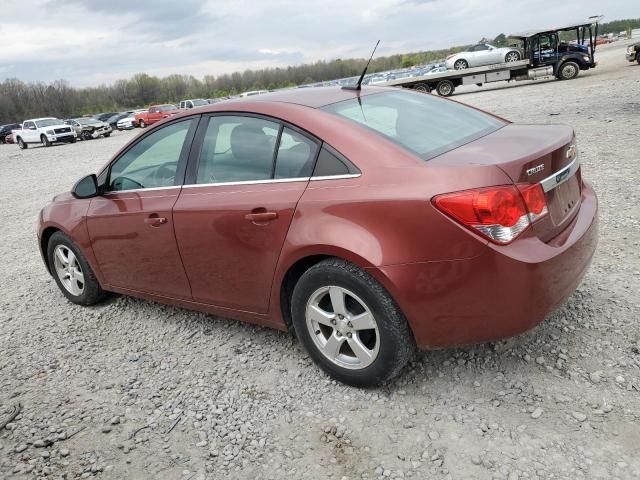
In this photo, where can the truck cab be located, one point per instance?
(155, 114)
(193, 103)
(564, 60)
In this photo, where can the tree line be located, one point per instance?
(20, 100)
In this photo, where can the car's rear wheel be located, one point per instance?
(460, 64)
(568, 70)
(45, 141)
(86, 135)
(107, 135)
(349, 324)
(512, 57)
(142, 124)
(22, 144)
(71, 271)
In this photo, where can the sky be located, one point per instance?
(93, 42)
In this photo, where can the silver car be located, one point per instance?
(482, 54)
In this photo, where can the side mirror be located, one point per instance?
(86, 187)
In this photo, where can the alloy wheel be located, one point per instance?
(68, 270)
(342, 327)
(512, 57)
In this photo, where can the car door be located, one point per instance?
(244, 180)
(481, 55)
(29, 132)
(131, 224)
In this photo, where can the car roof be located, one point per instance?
(42, 118)
(314, 97)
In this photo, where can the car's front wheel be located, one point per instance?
(349, 324)
(45, 141)
(71, 271)
(22, 144)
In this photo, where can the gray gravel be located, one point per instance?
(132, 389)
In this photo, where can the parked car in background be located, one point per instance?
(113, 119)
(193, 103)
(45, 131)
(211, 101)
(633, 53)
(127, 123)
(89, 128)
(9, 138)
(349, 216)
(103, 117)
(155, 114)
(5, 131)
(251, 93)
(482, 54)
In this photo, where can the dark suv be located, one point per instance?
(633, 53)
(6, 130)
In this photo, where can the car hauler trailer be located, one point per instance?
(545, 55)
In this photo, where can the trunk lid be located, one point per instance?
(530, 154)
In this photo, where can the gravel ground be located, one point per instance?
(132, 389)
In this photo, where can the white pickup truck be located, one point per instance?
(44, 131)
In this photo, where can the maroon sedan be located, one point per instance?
(369, 222)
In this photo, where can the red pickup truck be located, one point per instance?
(155, 114)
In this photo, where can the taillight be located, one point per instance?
(497, 213)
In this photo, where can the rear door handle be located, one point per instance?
(155, 221)
(261, 217)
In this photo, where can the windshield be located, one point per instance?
(423, 124)
(165, 108)
(49, 122)
(198, 102)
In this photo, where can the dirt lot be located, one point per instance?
(131, 389)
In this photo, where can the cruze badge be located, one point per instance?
(536, 169)
(571, 152)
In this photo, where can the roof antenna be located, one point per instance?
(358, 86)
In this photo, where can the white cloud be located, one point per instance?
(89, 43)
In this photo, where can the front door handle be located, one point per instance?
(154, 220)
(261, 216)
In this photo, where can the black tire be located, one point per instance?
(73, 140)
(141, 124)
(22, 144)
(422, 88)
(45, 141)
(638, 58)
(107, 135)
(395, 341)
(513, 56)
(2, 140)
(92, 292)
(86, 135)
(460, 64)
(568, 70)
(445, 88)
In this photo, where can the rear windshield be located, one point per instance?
(423, 124)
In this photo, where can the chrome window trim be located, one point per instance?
(151, 189)
(561, 176)
(336, 177)
(249, 182)
(273, 180)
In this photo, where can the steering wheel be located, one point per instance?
(165, 174)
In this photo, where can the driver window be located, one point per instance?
(153, 161)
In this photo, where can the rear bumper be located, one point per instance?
(502, 292)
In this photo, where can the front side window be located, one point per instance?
(29, 125)
(237, 149)
(422, 124)
(153, 161)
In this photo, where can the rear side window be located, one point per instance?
(330, 163)
(296, 154)
(237, 149)
(423, 124)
